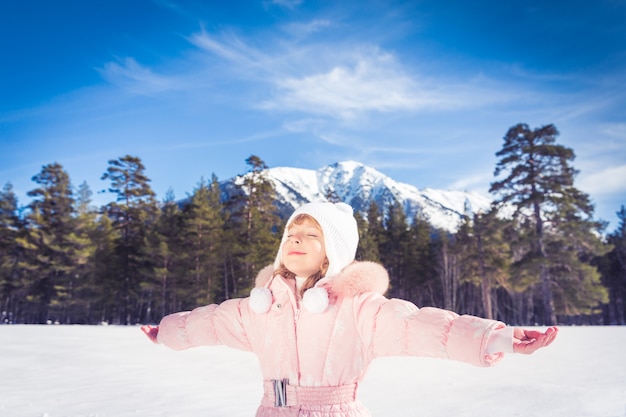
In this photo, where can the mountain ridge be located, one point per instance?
(358, 184)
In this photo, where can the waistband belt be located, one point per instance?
(279, 393)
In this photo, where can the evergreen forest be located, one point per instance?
(546, 261)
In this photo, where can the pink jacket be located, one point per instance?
(333, 348)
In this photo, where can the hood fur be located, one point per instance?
(355, 279)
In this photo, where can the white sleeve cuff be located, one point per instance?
(501, 341)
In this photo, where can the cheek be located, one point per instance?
(319, 248)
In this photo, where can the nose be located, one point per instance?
(294, 238)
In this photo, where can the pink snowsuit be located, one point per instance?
(312, 363)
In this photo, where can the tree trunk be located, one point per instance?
(549, 317)
(485, 288)
(449, 278)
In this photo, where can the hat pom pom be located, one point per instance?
(260, 300)
(315, 300)
(346, 208)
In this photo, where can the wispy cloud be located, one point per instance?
(374, 81)
(138, 79)
(230, 48)
(290, 4)
(479, 181)
(326, 89)
(616, 131)
(303, 29)
(344, 91)
(348, 80)
(234, 50)
(605, 181)
(304, 125)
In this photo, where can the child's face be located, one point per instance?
(304, 253)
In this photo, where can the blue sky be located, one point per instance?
(423, 91)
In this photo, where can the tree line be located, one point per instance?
(536, 257)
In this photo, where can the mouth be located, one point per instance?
(295, 253)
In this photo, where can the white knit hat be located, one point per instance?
(341, 238)
(341, 235)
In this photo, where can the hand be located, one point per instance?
(151, 332)
(528, 341)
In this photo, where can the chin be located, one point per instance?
(300, 272)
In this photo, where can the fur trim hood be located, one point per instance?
(355, 279)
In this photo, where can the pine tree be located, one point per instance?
(539, 184)
(572, 250)
(159, 291)
(368, 247)
(133, 213)
(11, 227)
(448, 269)
(52, 242)
(104, 301)
(202, 237)
(395, 249)
(485, 256)
(82, 291)
(613, 268)
(255, 227)
(420, 263)
(374, 234)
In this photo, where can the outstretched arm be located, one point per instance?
(211, 325)
(528, 341)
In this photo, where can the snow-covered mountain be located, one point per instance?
(357, 185)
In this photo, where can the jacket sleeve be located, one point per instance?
(399, 328)
(210, 325)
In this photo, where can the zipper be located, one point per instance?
(292, 291)
(296, 302)
(296, 316)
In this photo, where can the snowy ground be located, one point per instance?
(111, 371)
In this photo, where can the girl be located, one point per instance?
(317, 318)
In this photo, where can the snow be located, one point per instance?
(114, 371)
(356, 183)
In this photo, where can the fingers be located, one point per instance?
(550, 335)
(534, 340)
(525, 335)
(151, 331)
(546, 337)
